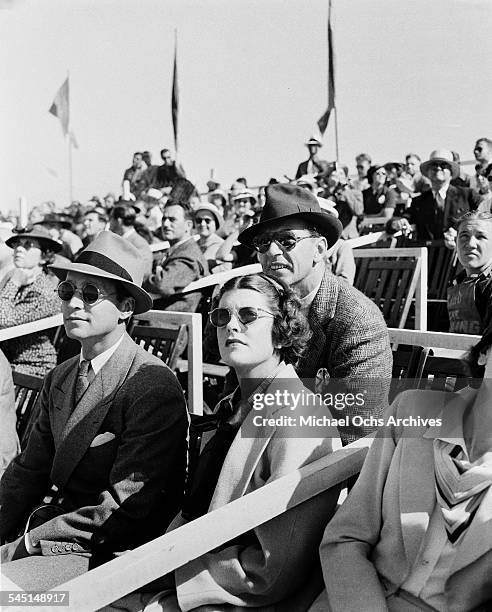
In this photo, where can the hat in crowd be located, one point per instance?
(213, 210)
(328, 206)
(36, 232)
(113, 257)
(5, 230)
(243, 195)
(60, 219)
(287, 201)
(388, 165)
(212, 185)
(441, 155)
(217, 193)
(307, 179)
(313, 141)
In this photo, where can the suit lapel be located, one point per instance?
(85, 420)
(63, 399)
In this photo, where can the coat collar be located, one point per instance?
(246, 449)
(79, 426)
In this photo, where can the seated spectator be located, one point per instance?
(470, 298)
(183, 262)
(168, 174)
(244, 202)
(412, 180)
(122, 222)
(218, 199)
(6, 260)
(483, 154)
(135, 174)
(261, 333)
(208, 221)
(95, 221)
(379, 200)
(348, 202)
(60, 226)
(9, 442)
(109, 200)
(29, 295)
(363, 162)
(435, 211)
(484, 188)
(110, 433)
(414, 532)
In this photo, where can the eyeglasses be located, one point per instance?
(285, 240)
(25, 243)
(220, 317)
(90, 293)
(440, 166)
(207, 220)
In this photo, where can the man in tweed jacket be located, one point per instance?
(349, 350)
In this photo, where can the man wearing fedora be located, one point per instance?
(350, 343)
(122, 222)
(314, 165)
(109, 438)
(435, 210)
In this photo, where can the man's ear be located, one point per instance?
(127, 308)
(320, 249)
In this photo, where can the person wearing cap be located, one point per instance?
(122, 222)
(347, 201)
(436, 210)
(350, 342)
(182, 263)
(313, 165)
(110, 434)
(28, 294)
(208, 221)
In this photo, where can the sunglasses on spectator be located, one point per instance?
(207, 220)
(489, 178)
(90, 293)
(26, 243)
(285, 240)
(440, 165)
(220, 317)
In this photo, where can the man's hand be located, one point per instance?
(24, 276)
(450, 238)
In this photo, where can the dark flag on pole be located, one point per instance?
(323, 121)
(175, 94)
(61, 108)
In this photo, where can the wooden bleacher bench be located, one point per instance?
(26, 390)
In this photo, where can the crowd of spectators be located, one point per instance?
(102, 261)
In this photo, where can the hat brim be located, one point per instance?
(50, 245)
(143, 301)
(327, 225)
(455, 168)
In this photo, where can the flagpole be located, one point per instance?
(337, 150)
(70, 177)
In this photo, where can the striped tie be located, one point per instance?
(460, 486)
(82, 381)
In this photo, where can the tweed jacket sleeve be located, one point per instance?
(28, 303)
(180, 267)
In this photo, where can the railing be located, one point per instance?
(138, 567)
(31, 328)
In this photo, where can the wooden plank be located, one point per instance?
(371, 238)
(421, 291)
(193, 322)
(432, 339)
(129, 572)
(385, 252)
(221, 277)
(31, 328)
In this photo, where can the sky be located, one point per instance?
(410, 76)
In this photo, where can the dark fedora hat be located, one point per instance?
(111, 256)
(61, 219)
(287, 201)
(36, 232)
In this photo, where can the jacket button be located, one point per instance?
(54, 549)
(68, 547)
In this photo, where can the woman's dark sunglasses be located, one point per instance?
(285, 240)
(90, 293)
(220, 317)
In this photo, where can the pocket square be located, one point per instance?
(103, 438)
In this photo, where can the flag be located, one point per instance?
(175, 95)
(323, 121)
(73, 140)
(60, 107)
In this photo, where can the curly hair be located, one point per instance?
(290, 331)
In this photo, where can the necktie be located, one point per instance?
(439, 201)
(82, 381)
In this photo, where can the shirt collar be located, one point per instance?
(308, 299)
(442, 192)
(128, 233)
(451, 419)
(98, 362)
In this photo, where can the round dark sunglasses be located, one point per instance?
(90, 293)
(285, 240)
(220, 317)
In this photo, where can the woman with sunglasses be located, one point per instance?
(28, 295)
(208, 221)
(379, 200)
(260, 333)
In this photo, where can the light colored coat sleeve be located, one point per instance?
(9, 442)
(275, 559)
(351, 580)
